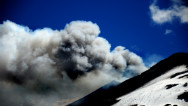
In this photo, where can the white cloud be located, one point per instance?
(167, 31)
(177, 10)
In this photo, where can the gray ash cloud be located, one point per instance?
(69, 63)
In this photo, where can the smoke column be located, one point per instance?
(39, 67)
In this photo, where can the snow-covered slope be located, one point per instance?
(161, 91)
(165, 84)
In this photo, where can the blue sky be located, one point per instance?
(129, 23)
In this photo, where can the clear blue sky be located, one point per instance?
(122, 22)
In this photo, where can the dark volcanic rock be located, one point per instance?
(184, 96)
(167, 105)
(184, 76)
(170, 86)
(185, 85)
(179, 73)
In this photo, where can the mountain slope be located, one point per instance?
(161, 91)
(132, 90)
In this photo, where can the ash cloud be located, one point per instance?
(63, 64)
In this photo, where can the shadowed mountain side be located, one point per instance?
(107, 97)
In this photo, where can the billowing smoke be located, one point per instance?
(69, 63)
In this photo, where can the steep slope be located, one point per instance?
(144, 83)
(162, 91)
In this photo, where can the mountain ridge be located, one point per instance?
(108, 97)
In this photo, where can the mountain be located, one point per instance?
(164, 84)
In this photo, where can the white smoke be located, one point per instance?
(70, 63)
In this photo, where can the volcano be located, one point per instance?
(164, 84)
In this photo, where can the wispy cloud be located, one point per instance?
(152, 59)
(167, 31)
(176, 11)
